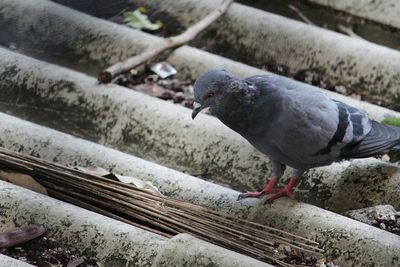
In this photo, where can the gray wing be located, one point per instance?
(353, 126)
(365, 137)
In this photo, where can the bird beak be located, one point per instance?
(197, 108)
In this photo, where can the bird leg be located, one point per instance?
(269, 188)
(286, 191)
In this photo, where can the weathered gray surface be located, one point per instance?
(65, 36)
(111, 242)
(345, 240)
(140, 125)
(268, 39)
(364, 24)
(381, 11)
(373, 215)
(185, 250)
(6, 261)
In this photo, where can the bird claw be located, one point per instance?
(272, 192)
(257, 194)
(281, 193)
(286, 191)
(241, 196)
(268, 189)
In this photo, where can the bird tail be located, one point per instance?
(380, 139)
(396, 147)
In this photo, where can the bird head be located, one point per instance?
(210, 89)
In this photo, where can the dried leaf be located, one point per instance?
(98, 171)
(146, 185)
(151, 89)
(23, 180)
(136, 19)
(94, 170)
(18, 236)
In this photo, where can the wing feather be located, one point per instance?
(380, 138)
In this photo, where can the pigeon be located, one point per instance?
(293, 124)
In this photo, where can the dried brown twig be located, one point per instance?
(158, 214)
(172, 42)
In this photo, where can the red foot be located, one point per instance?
(286, 191)
(268, 189)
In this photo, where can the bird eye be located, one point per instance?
(210, 94)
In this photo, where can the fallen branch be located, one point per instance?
(172, 42)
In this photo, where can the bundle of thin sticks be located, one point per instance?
(162, 215)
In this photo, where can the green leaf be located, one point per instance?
(138, 20)
(394, 121)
